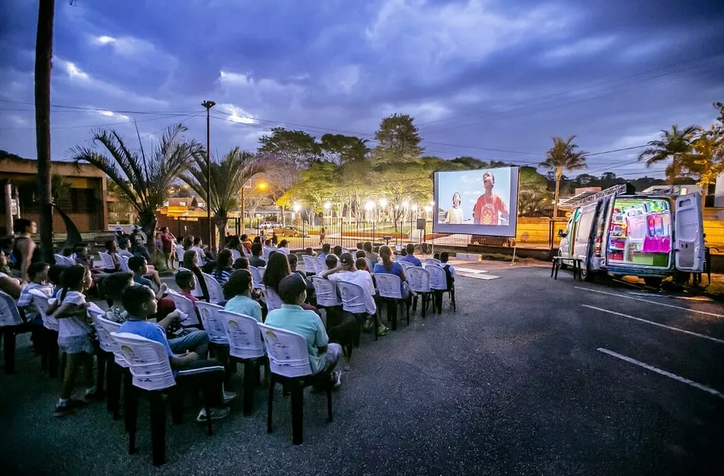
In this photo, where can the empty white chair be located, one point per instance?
(10, 322)
(309, 265)
(325, 292)
(273, 301)
(216, 294)
(213, 322)
(419, 281)
(256, 277)
(289, 365)
(186, 307)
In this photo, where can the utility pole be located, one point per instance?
(208, 105)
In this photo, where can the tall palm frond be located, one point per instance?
(673, 144)
(564, 155)
(143, 178)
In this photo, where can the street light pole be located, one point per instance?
(208, 105)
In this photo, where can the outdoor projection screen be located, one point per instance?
(476, 202)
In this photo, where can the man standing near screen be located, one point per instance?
(490, 209)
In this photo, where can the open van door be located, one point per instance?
(689, 234)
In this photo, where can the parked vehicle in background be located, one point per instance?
(650, 236)
(267, 225)
(292, 231)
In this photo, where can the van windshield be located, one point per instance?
(640, 232)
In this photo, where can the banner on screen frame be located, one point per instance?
(476, 202)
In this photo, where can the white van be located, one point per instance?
(637, 235)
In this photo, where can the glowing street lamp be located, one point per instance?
(369, 206)
(296, 207)
(383, 202)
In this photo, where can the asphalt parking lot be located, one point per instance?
(529, 376)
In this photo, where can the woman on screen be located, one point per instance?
(455, 214)
(490, 209)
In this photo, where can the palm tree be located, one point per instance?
(706, 159)
(227, 178)
(675, 144)
(563, 155)
(43, 60)
(143, 179)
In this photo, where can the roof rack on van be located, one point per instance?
(619, 189)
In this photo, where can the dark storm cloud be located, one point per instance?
(480, 73)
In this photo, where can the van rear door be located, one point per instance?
(689, 234)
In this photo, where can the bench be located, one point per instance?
(576, 262)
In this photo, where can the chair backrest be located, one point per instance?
(256, 277)
(235, 254)
(123, 260)
(388, 285)
(212, 321)
(438, 278)
(9, 313)
(148, 361)
(216, 294)
(309, 264)
(320, 265)
(180, 253)
(64, 260)
(353, 297)
(243, 335)
(432, 261)
(184, 305)
(418, 278)
(404, 263)
(273, 301)
(93, 310)
(111, 328)
(104, 335)
(197, 292)
(325, 292)
(287, 351)
(41, 304)
(107, 260)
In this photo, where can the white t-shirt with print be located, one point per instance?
(73, 326)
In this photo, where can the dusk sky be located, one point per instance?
(490, 79)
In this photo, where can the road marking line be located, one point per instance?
(651, 302)
(719, 341)
(479, 276)
(471, 270)
(663, 372)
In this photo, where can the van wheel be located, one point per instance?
(654, 282)
(587, 274)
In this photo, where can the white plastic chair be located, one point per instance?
(235, 254)
(180, 253)
(256, 277)
(107, 260)
(273, 301)
(309, 264)
(432, 261)
(41, 304)
(389, 289)
(50, 335)
(325, 292)
(216, 294)
(438, 283)
(123, 260)
(213, 322)
(405, 264)
(10, 322)
(320, 265)
(64, 260)
(419, 281)
(353, 301)
(186, 307)
(289, 365)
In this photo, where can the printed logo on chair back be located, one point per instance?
(388, 285)
(418, 278)
(438, 278)
(9, 314)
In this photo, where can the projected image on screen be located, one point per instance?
(480, 202)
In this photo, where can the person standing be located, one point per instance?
(167, 242)
(322, 235)
(24, 247)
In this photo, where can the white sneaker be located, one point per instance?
(216, 414)
(336, 378)
(229, 397)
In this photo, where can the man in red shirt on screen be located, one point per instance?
(490, 208)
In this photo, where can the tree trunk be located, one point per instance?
(147, 221)
(559, 173)
(704, 189)
(221, 220)
(43, 64)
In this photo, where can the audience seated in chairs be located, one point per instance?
(191, 262)
(186, 284)
(325, 251)
(38, 274)
(323, 355)
(8, 284)
(112, 287)
(410, 256)
(276, 270)
(293, 261)
(361, 264)
(371, 255)
(256, 256)
(346, 271)
(112, 250)
(390, 267)
(337, 251)
(284, 247)
(137, 265)
(241, 263)
(141, 304)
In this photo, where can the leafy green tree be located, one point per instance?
(341, 149)
(316, 185)
(294, 147)
(398, 140)
(143, 179)
(673, 144)
(564, 155)
(227, 178)
(706, 159)
(467, 162)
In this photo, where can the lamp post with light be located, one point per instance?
(259, 186)
(297, 207)
(413, 208)
(208, 105)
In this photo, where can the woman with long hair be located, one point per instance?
(191, 262)
(224, 266)
(388, 266)
(276, 269)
